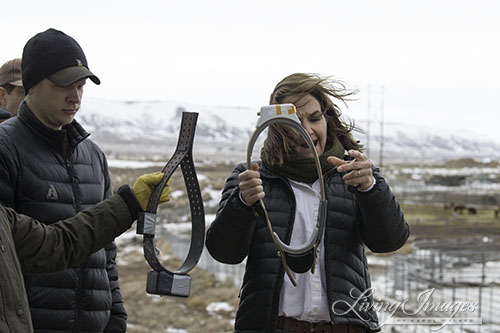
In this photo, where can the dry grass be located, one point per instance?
(151, 313)
(436, 215)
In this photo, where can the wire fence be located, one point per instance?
(457, 284)
(180, 246)
(473, 195)
(426, 279)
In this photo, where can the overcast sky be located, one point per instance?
(438, 61)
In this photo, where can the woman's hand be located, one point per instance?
(358, 171)
(251, 185)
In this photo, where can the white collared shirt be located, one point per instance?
(307, 301)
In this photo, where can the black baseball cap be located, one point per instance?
(54, 55)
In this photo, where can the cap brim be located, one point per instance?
(18, 83)
(67, 76)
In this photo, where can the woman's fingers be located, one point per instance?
(251, 188)
(335, 161)
(358, 171)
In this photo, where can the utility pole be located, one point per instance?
(368, 122)
(381, 152)
(375, 116)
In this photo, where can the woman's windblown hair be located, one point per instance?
(329, 93)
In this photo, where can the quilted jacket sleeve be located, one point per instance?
(230, 234)
(384, 228)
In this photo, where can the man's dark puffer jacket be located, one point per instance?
(354, 219)
(42, 178)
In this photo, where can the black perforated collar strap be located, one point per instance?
(162, 281)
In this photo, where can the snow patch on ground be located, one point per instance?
(219, 306)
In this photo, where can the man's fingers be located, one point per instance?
(153, 178)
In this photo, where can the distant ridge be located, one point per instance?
(150, 129)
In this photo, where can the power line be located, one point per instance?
(375, 117)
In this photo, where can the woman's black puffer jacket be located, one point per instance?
(354, 219)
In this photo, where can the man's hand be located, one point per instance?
(145, 185)
(251, 185)
(358, 171)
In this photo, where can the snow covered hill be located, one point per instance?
(127, 128)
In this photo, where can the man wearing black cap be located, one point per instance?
(50, 170)
(11, 88)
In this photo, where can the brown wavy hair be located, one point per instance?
(328, 92)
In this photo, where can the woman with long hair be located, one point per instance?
(361, 211)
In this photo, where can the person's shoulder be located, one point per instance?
(93, 147)
(5, 114)
(91, 143)
(88, 142)
(9, 129)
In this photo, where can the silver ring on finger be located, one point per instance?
(359, 173)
